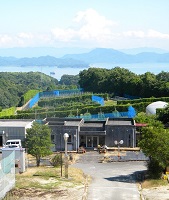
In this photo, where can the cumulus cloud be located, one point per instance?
(88, 29)
(89, 25)
(93, 24)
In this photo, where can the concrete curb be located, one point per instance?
(84, 197)
(140, 191)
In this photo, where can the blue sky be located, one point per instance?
(117, 24)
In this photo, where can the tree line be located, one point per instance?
(121, 81)
(115, 81)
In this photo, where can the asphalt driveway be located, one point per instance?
(112, 180)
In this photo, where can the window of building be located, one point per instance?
(52, 138)
(69, 138)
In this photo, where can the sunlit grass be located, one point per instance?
(110, 103)
(154, 183)
(49, 177)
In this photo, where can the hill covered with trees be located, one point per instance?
(116, 81)
(13, 85)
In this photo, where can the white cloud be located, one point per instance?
(88, 29)
(155, 34)
(137, 34)
(64, 35)
(150, 34)
(5, 39)
(89, 25)
(25, 35)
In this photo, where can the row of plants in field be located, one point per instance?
(143, 100)
(79, 105)
(43, 102)
(59, 108)
(67, 100)
(73, 112)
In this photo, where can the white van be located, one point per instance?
(13, 143)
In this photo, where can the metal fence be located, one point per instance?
(54, 93)
(7, 174)
(103, 116)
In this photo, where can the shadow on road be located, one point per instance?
(137, 176)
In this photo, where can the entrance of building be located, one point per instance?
(92, 141)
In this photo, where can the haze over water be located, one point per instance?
(137, 68)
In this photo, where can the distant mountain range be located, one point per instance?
(42, 61)
(101, 55)
(83, 60)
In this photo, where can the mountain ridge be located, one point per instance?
(110, 55)
(83, 60)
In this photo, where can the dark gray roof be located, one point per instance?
(72, 123)
(117, 122)
(15, 123)
(92, 125)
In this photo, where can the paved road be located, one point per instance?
(111, 181)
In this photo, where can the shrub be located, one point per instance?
(56, 160)
(154, 169)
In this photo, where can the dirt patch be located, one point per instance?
(155, 189)
(46, 183)
(42, 194)
(156, 193)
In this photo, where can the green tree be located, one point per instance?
(142, 117)
(122, 81)
(93, 79)
(154, 143)
(69, 80)
(163, 115)
(38, 141)
(148, 85)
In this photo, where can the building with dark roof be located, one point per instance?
(87, 133)
(91, 133)
(14, 129)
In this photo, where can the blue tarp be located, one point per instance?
(34, 100)
(98, 99)
(131, 112)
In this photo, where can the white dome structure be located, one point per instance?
(151, 108)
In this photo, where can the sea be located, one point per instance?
(54, 71)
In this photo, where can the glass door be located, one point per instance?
(89, 141)
(92, 141)
(95, 141)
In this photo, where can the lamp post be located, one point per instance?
(66, 156)
(118, 143)
(75, 136)
(4, 137)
